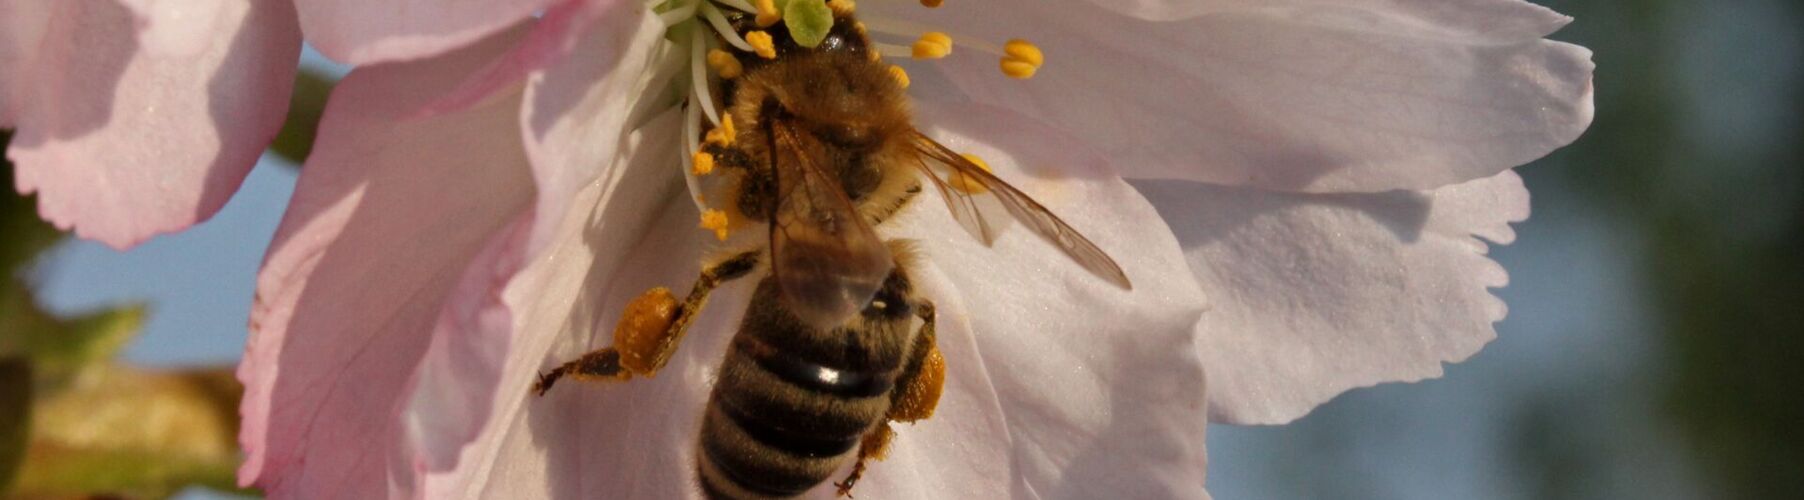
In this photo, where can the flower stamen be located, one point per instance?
(932, 4)
(762, 44)
(724, 28)
(767, 13)
(842, 7)
(1020, 59)
(715, 220)
(900, 75)
(698, 85)
(724, 64)
(703, 163)
(964, 183)
(932, 45)
(723, 135)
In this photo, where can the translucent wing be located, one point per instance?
(970, 214)
(827, 260)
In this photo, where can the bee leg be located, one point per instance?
(917, 394)
(650, 329)
(874, 446)
(924, 377)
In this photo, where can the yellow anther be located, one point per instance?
(932, 3)
(965, 183)
(1021, 59)
(715, 220)
(767, 13)
(703, 164)
(899, 74)
(724, 134)
(762, 44)
(724, 64)
(842, 7)
(1024, 51)
(858, 26)
(932, 45)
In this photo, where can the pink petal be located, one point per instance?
(622, 234)
(22, 25)
(359, 32)
(1314, 294)
(382, 271)
(552, 38)
(124, 137)
(1295, 95)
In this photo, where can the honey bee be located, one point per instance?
(829, 352)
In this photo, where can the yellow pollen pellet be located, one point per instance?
(724, 64)
(900, 75)
(762, 44)
(715, 220)
(1021, 59)
(932, 3)
(965, 183)
(724, 134)
(767, 13)
(842, 7)
(704, 163)
(932, 45)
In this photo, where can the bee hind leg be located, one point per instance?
(917, 395)
(649, 330)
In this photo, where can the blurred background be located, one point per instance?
(1654, 348)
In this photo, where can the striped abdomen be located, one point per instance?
(791, 402)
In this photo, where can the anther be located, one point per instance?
(899, 74)
(704, 165)
(965, 183)
(762, 44)
(725, 64)
(932, 3)
(932, 45)
(1021, 59)
(767, 13)
(716, 221)
(842, 7)
(724, 134)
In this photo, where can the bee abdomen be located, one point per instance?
(777, 426)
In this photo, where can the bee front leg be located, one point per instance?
(650, 329)
(917, 394)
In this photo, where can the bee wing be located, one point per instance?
(827, 260)
(1019, 205)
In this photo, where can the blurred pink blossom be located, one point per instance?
(141, 117)
(1310, 181)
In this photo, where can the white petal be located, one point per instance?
(1041, 401)
(1304, 96)
(1314, 294)
(1098, 396)
(579, 111)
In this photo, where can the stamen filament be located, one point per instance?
(741, 5)
(698, 77)
(719, 21)
(891, 50)
(692, 118)
(677, 15)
